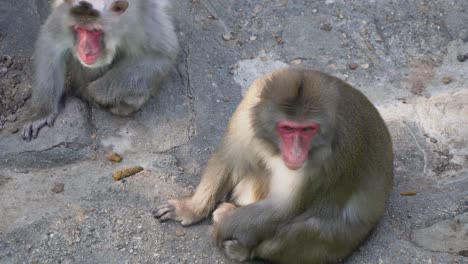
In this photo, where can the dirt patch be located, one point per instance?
(422, 72)
(14, 87)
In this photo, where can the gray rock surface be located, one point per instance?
(404, 57)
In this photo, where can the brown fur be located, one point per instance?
(316, 214)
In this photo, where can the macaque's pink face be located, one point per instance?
(295, 138)
(88, 44)
(89, 36)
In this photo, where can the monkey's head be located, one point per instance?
(296, 114)
(97, 27)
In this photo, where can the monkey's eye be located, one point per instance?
(285, 129)
(119, 7)
(307, 129)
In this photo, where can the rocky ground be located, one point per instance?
(59, 203)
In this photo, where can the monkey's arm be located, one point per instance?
(313, 240)
(215, 184)
(257, 231)
(49, 79)
(129, 83)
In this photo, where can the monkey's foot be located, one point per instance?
(178, 210)
(236, 251)
(31, 129)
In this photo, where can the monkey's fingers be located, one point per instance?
(26, 134)
(164, 212)
(235, 250)
(37, 125)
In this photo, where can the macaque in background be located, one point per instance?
(117, 53)
(303, 172)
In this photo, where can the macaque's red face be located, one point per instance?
(91, 17)
(88, 44)
(295, 137)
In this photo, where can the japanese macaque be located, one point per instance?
(114, 53)
(304, 172)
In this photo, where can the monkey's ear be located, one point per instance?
(119, 7)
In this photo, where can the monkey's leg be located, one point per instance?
(312, 241)
(214, 186)
(128, 85)
(49, 79)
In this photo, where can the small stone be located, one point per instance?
(314, 10)
(3, 71)
(225, 99)
(16, 79)
(463, 253)
(252, 38)
(257, 9)
(296, 61)
(353, 66)
(461, 57)
(341, 16)
(370, 47)
(228, 36)
(326, 26)
(58, 187)
(433, 140)
(408, 193)
(93, 136)
(8, 60)
(18, 66)
(279, 40)
(11, 118)
(447, 79)
(114, 157)
(180, 232)
(365, 66)
(14, 130)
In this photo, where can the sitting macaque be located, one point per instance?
(303, 172)
(115, 51)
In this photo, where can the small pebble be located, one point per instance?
(14, 130)
(18, 66)
(326, 26)
(114, 157)
(58, 187)
(252, 38)
(180, 232)
(433, 140)
(461, 57)
(8, 60)
(257, 9)
(365, 66)
(296, 61)
(447, 79)
(353, 66)
(3, 71)
(11, 118)
(228, 36)
(279, 39)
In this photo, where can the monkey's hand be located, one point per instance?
(238, 232)
(179, 210)
(233, 248)
(31, 128)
